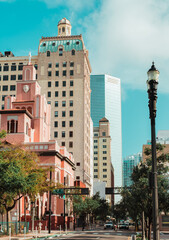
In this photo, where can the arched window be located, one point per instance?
(17, 107)
(73, 52)
(63, 29)
(27, 127)
(60, 51)
(23, 108)
(12, 126)
(48, 53)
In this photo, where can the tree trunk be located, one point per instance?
(7, 221)
(149, 231)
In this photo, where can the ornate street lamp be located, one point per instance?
(152, 84)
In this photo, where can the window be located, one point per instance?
(63, 144)
(78, 164)
(56, 93)
(5, 77)
(0, 68)
(104, 176)
(104, 164)
(12, 126)
(63, 134)
(13, 68)
(53, 44)
(36, 66)
(20, 67)
(71, 113)
(55, 134)
(13, 77)
(71, 64)
(104, 158)
(57, 65)
(95, 170)
(70, 134)
(49, 102)
(104, 170)
(49, 94)
(12, 88)
(95, 134)
(104, 152)
(56, 113)
(64, 73)
(64, 83)
(55, 123)
(0, 77)
(104, 146)
(48, 54)
(56, 84)
(63, 124)
(56, 103)
(5, 88)
(103, 134)
(71, 83)
(73, 52)
(63, 113)
(63, 93)
(71, 72)
(63, 103)
(49, 84)
(95, 146)
(49, 73)
(95, 141)
(57, 73)
(95, 164)
(71, 93)
(68, 43)
(95, 152)
(6, 68)
(95, 158)
(70, 144)
(20, 77)
(2, 107)
(95, 176)
(44, 45)
(71, 103)
(70, 123)
(60, 51)
(49, 65)
(104, 140)
(77, 42)
(64, 64)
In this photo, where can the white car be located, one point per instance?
(108, 225)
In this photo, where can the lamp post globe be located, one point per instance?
(152, 83)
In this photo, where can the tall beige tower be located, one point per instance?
(64, 75)
(103, 170)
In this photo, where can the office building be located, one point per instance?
(106, 102)
(128, 165)
(103, 170)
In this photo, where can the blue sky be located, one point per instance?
(123, 38)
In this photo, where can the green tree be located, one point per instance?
(139, 197)
(20, 174)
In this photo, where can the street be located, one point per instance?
(102, 235)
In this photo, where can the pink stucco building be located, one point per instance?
(26, 119)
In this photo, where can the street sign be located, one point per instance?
(109, 190)
(59, 191)
(70, 191)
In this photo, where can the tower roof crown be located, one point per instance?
(64, 21)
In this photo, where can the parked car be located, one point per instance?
(108, 225)
(124, 226)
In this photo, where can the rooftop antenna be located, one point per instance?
(29, 63)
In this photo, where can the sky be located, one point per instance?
(123, 38)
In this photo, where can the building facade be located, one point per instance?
(103, 170)
(106, 102)
(63, 72)
(128, 164)
(26, 119)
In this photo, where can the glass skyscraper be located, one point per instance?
(106, 102)
(128, 165)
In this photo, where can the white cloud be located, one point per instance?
(125, 36)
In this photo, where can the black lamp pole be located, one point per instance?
(152, 84)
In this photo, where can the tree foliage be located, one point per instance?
(139, 197)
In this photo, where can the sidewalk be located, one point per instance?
(42, 235)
